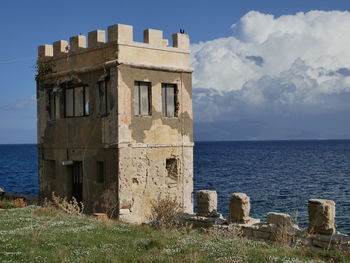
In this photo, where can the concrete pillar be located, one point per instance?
(207, 202)
(239, 208)
(321, 216)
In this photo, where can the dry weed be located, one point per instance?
(284, 235)
(109, 204)
(72, 207)
(19, 202)
(164, 212)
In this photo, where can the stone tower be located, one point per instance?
(115, 121)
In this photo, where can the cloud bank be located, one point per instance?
(275, 78)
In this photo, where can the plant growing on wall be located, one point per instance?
(42, 68)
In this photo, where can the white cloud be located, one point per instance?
(293, 66)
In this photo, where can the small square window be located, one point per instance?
(172, 168)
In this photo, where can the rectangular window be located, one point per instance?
(142, 98)
(103, 96)
(77, 101)
(54, 104)
(86, 101)
(100, 173)
(52, 109)
(69, 102)
(169, 100)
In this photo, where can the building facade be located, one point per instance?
(115, 121)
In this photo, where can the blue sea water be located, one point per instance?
(277, 175)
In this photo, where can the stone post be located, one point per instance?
(239, 208)
(279, 219)
(207, 202)
(321, 216)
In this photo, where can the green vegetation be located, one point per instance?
(36, 234)
(4, 204)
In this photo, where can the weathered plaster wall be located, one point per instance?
(88, 139)
(143, 178)
(155, 128)
(94, 193)
(147, 141)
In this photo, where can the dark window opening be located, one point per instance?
(77, 101)
(53, 104)
(142, 98)
(172, 168)
(105, 106)
(77, 180)
(170, 104)
(100, 172)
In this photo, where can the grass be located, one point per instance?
(35, 234)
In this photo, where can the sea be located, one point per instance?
(279, 176)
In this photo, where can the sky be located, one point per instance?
(263, 69)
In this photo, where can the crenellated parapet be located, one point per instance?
(116, 34)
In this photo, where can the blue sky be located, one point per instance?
(26, 24)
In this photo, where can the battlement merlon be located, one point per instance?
(120, 46)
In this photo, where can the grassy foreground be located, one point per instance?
(35, 234)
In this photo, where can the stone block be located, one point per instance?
(60, 47)
(279, 219)
(45, 51)
(239, 208)
(77, 43)
(207, 202)
(120, 33)
(96, 38)
(321, 216)
(153, 37)
(181, 41)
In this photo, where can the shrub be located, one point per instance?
(164, 212)
(72, 207)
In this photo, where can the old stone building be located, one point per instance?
(115, 120)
